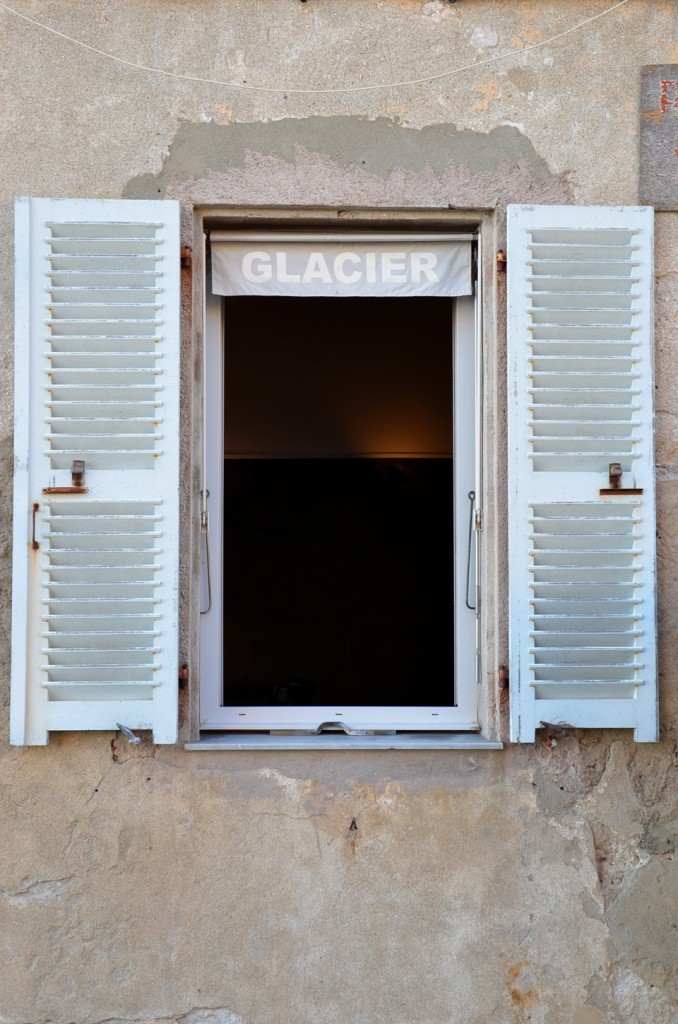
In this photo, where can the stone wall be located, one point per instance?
(155, 884)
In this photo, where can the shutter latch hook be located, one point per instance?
(78, 472)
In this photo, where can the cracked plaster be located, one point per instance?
(267, 858)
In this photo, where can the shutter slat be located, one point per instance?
(98, 350)
(582, 632)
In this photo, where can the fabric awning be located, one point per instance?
(328, 265)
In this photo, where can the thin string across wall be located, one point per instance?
(312, 91)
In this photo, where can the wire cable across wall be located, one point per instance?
(333, 90)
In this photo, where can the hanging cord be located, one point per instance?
(313, 91)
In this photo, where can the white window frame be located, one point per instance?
(464, 714)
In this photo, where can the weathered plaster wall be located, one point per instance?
(532, 884)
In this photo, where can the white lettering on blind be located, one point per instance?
(423, 264)
(256, 267)
(341, 268)
(372, 267)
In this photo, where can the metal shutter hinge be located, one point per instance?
(478, 519)
(183, 676)
(186, 257)
(503, 677)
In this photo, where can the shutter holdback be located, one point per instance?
(77, 478)
(615, 478)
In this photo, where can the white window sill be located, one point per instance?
(337, 741)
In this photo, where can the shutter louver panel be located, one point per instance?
(581, 563)
(584, 389)
(585, 624)
(104, 358)
(97, 374)
(101, 600)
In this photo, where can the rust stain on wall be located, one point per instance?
(522, 984)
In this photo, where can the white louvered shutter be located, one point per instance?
(95, 578)
(581, 562)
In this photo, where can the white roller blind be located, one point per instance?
(581, 561)
(95, 570)
(325, 265)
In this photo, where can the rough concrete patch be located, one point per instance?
(43, 892)
(615, 858)
(315, 180)
(590, 1015)
(590, 906)
(644, 924)
(202, 1016)
(220, 1016)
(552, 798)
(377, 146)
(659, 837)
(483, 37)
(640, 1002)
(598, 993)
(654, 772)
(572, 768)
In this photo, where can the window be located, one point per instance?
(338, 567)
(96, 601)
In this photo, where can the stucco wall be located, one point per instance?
(529, 884)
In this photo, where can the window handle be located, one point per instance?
(472, 499)
(205, 532)
(333, 726)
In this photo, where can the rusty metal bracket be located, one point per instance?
(78, 472)
(615, 478)
(77, 478)
(35, 544)
(615, 475)
(65, 490)
(186, 257)
(621, 491)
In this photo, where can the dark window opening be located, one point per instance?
(338, 502)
